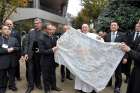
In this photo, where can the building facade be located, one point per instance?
(50, 10)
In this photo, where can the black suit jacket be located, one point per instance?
(45, 46)
(8, 59)
(30, 39)
(135, 54)
(130, 40)
(120, 37)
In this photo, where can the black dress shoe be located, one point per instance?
(29, 90)
(82, 92)
(93, 91)
(39, 87)
(13, 88)
(56, 89)
(47, 92)
(117, 90)
(62, 80)
(78, 91)
(109, 85)
(69, 78)
(19, 79)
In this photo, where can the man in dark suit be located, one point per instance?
(9, 46)
(15, 34)
(134, 81)
(32, 56)
(116, 36)
(134, 52)
(47, 48)
(132, 41)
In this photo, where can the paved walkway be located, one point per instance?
(67, 86)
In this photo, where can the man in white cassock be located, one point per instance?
(80, 85)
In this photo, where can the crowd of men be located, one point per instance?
(37, 48)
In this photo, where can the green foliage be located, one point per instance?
(91, 11)
(7, 7)
(94, 7)
(80, 19)
(24, 25)
(122, 12)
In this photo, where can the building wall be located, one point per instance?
(54, 12)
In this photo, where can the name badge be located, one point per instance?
(4, 46)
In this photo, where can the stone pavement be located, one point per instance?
(67, 86)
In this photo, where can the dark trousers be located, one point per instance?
(126, 68)
(134, 81)
(17, 73)
(49, 76)
(3, 80)
(118, 77)
(11, 76)
(33, 71)
(63, 73)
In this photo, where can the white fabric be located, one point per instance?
(81, 85)
(91, 60)
(94, 36)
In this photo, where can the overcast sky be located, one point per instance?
(74, 7)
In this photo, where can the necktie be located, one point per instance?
(137, 35)
(113, 36)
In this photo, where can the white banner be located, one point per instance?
(93, 61)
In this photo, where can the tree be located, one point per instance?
(90, 12)
(94, 7)
(80, 19)
(122, 11)
(7, 7)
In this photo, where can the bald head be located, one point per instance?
(85, 28)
